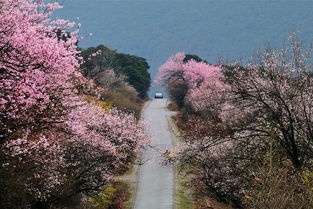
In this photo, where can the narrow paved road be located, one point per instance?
(156, 182)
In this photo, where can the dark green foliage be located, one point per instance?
(133, 67)
(93, 65)
(136, 70)
(194, 57)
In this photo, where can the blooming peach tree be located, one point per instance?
(53, 142)
(236, 114)
(205, 82)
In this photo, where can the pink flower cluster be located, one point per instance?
(33, 60)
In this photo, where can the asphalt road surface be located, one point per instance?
(156, 182)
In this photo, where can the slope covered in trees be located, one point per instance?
(134, 68)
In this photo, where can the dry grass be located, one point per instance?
(280, 187)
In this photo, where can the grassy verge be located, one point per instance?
(182, 198)
(132, 189)
(130, 178)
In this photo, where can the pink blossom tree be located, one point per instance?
(203, 82)
(53, 143)
(36, 67)
(238, 113)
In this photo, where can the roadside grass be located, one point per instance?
(182, 199)
(132, 189)
(130, 179)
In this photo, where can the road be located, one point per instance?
(156, 182)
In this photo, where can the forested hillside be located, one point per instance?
(126, 77)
